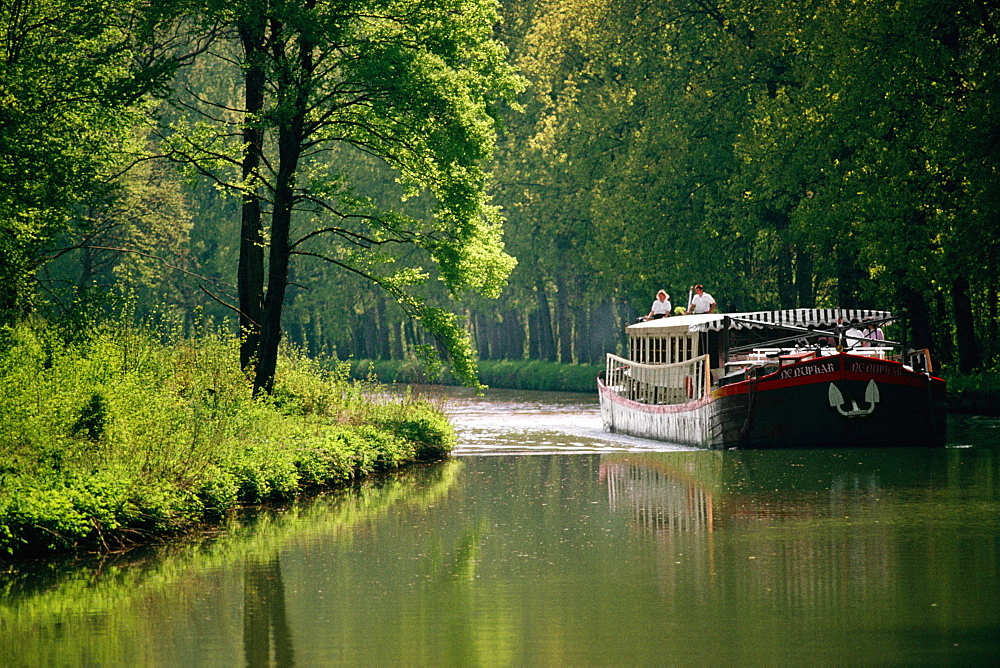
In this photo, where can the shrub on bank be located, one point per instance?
(508, 374)
(976, 393)
(117, 437)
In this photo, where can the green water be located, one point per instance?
(613, 555)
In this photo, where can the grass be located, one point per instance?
(123, 436)
(509, 374)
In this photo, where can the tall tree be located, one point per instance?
(415, 83)
(71, 85)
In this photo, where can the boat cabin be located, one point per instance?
(739, 337)
(680, 358)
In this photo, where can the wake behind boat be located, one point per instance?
(772, 379)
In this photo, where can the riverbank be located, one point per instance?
(121, 436)
(505, 374)
(975, 394)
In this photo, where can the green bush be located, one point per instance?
(977, 393)
(125, 434)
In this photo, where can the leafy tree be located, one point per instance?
(414, 84)
(135, 233)
(790, 153)
(70, 92)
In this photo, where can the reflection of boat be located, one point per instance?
(664, 493)
(772, 379)
(699, 492)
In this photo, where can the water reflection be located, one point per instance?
(703, 491)
(663, 493)
(604, 558)
(264, 618)
(220, 599)
(831, 544)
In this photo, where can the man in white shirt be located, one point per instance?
(853, 336)
(702, 302)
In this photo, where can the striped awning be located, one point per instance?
(800, 317)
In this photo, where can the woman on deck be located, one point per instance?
(660, 307)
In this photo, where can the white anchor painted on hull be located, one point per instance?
(837, 401)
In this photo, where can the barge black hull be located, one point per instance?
(829, 402)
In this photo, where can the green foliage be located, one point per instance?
(509, 374)
(785, 154)
(90, 424)
(977, 393)
(412, 86)
(419, 424)
(70, 96)
(120, 437)
(541, 375)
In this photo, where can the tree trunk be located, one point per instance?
(546, 341)
(533, 337)
(290, 138)
(86, 273)
(968, 347)
(381, 326)
(918, 316)
(847, 277)
(991, 323)
(778, 221)
(581, 332)
(512, 336)
(250, 272)
(603, 331)
(804, 291)
(277, 281)
(370, 333)
(786, 292)
(397, 342)
(482, 335)
(563, 322)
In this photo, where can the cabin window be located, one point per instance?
(668, 349)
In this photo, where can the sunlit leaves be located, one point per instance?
(406, 88)
(68, 94)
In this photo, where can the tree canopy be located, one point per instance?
(342, 181)
(414, 85)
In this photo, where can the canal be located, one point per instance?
(545, 541)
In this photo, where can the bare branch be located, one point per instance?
(229, 306)
(134, 251)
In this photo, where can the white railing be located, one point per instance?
(764, 356)
(658, 383)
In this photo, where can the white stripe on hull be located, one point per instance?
(694, 423)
